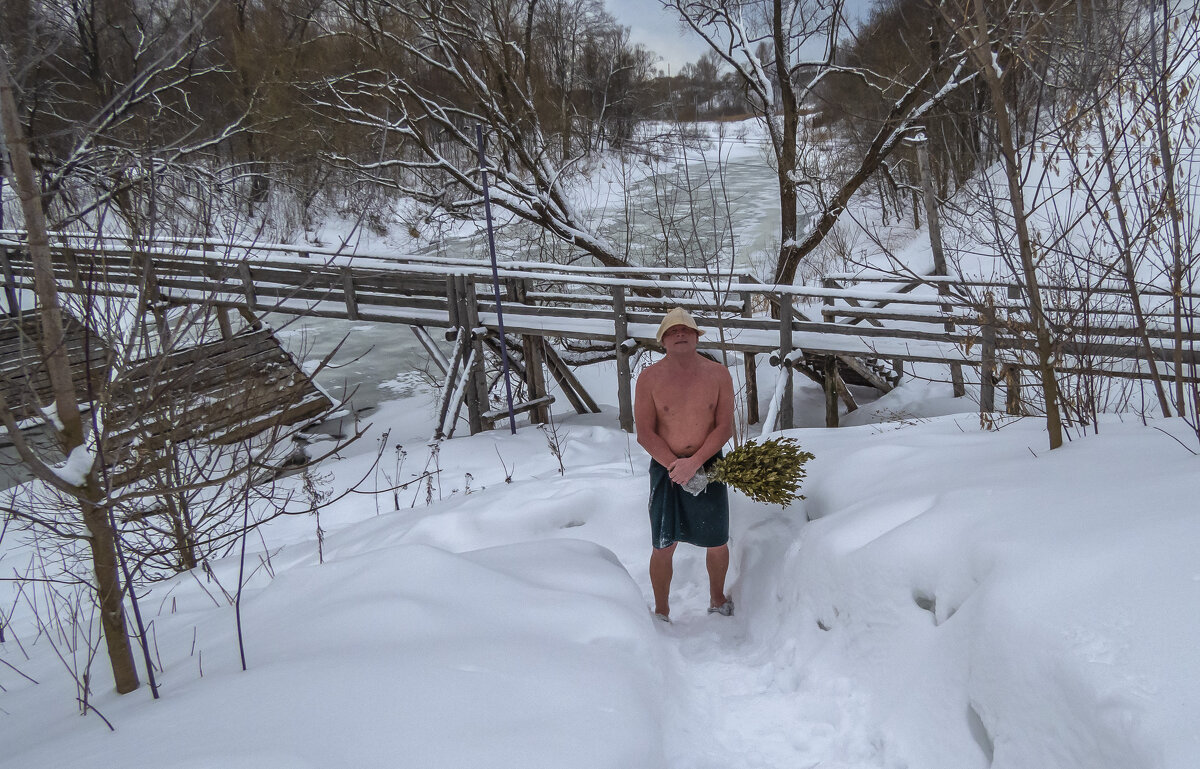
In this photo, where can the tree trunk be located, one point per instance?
(108, 590)
(899, 118)
(1128, 269)
(787, 149)
(1160, 98)
(102, 541)
(58, 366)
(982, 50)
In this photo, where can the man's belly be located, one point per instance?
(684, 443)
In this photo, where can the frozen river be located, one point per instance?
(719, 202)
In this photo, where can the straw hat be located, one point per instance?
(677, 317)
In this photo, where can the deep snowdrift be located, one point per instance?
(957, 601)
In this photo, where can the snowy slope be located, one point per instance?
(955, 602)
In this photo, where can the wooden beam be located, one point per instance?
(831, 391)
(519, 408)
(571, 386)
(750, 366)
(12, 308)
(435, 355)
(450, 387)
(531, 351)
(248, 288)
(477, 391)
(348, 290)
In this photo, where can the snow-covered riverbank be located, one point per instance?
(960, 599)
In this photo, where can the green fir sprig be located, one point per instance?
(770, 472)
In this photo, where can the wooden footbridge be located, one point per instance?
(864, 335)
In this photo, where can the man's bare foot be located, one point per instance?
(725, 608)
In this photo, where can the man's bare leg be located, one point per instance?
(661, 569)
(717, 560)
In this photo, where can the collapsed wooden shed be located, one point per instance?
(216, 392)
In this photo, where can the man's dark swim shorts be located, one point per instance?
(677, 516)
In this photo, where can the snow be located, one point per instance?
(74, 469)
(947, 597)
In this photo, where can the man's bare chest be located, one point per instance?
(686, 396)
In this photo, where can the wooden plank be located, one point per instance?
(571, 386)
(861, 368)
(23, 375)
(519, 408)
(221, 391)
(450, 384)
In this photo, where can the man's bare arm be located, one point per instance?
(645, 419)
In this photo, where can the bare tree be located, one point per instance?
(783, 52)
(975, 26)
(138, 479)
(429, 71)
(85, 489)
(1174, 37)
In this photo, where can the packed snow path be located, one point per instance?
(737, 701)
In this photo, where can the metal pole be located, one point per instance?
(487, 207)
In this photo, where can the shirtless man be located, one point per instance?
(683, 409)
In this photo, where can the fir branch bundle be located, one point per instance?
(770, 472)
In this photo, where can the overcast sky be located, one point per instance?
(660, 31)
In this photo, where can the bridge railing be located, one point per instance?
(871, 328)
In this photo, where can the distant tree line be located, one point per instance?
(285, 92)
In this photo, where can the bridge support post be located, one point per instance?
(752, 416)
(786, 419)
(477, 391)
(624, 374)
(148, 287)
(223, 322)
(831, 390)
(348, 290)
(1012, 389)
(452, 306)
(10, 290)
(531, 349)
(987, 360)
(251, 311)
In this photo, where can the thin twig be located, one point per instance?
(1174, 438)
